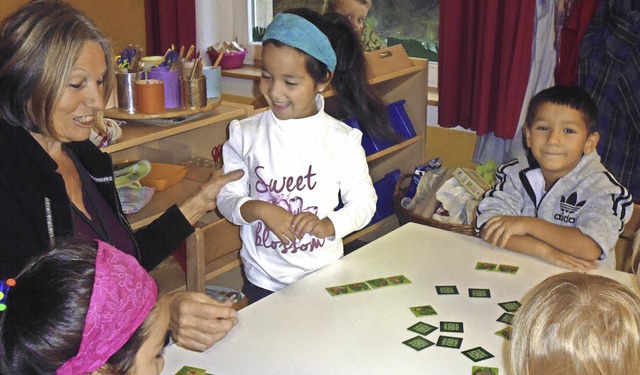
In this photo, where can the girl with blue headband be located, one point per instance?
(300, 163)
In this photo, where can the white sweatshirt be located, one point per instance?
(300, 165)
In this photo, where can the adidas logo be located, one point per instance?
(569, 206)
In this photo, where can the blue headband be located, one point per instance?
(297, 32)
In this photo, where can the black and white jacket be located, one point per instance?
(588, 198)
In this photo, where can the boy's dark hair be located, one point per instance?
(42, 326)
(356, 97)
(568, 96)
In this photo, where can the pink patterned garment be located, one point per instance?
(123, 296)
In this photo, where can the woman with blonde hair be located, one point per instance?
(56, 73)
(577, 323)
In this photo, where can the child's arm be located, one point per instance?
(499, 229)
(307, 222)
(526, 244)
(504, 197)
(356, 189)
(276, 218)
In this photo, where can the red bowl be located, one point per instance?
(230, 60)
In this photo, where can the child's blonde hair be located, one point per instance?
(577, 323)
(331, 5)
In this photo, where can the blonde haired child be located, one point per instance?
(78, 310)
(577, 324)
(356, 11)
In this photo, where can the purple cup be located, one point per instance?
(171, 81)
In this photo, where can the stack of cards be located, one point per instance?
(188, 370)
(223, 294)
(362, 286)
(502, 268)
(479, 370)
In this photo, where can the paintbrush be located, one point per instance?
(195, 70)
(189, 52)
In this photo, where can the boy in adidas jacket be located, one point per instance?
(559, 202)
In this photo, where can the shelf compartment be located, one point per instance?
(135, 134)
(394, 148)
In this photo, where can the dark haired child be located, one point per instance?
(297, 159)
(75, 310)
(559, 202)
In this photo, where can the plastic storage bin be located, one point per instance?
(400, 122)
(384, 189)
(163, 176)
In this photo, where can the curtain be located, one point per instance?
(169, 22)
(571, 35)
(484, 63)
(543, 62)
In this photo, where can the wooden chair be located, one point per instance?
(211, 251)
(625, 255)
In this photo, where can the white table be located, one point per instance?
(303, 330)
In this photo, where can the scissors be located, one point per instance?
(216, 154)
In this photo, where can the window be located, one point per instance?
(413, 23)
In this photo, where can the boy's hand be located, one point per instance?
(307, 222)
(499, 229)
(565, 260)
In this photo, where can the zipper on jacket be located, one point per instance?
(49, 218)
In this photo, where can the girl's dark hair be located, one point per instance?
(39, 44)
(42, 326)
(356, 97)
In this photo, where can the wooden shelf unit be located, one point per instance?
(202, 134)
(197, 137)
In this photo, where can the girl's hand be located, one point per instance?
(279, 221)
(307, 222)
(499, 229)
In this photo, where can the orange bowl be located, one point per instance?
(162, 176)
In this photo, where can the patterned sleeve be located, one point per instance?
(503, 198)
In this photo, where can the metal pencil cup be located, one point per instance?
(193, 93)
(125, 83)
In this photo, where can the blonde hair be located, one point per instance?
(576, 323)
(39, 44)
(636, 252)
(331, 5)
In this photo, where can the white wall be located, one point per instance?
(220, 20)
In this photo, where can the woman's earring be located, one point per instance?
(321, 89)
